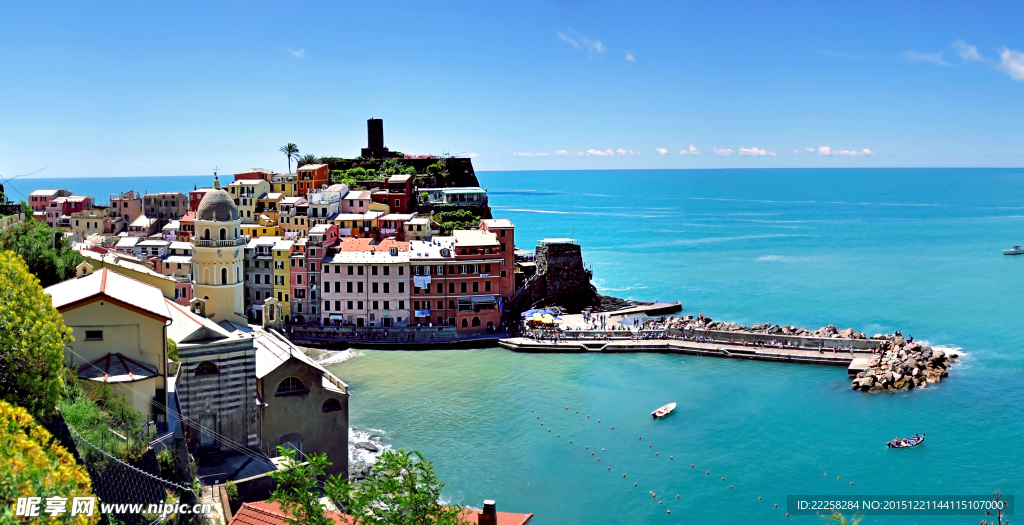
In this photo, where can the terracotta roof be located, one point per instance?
(350, 244)
(126, 291)
(116, 368)
(389, 243)
(266, 513)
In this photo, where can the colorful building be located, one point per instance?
(506, 234)
(282, 252)
(217, 254)
(307, 258)
(396, 193)
(312, 177)
(245, 193)
(367, 286)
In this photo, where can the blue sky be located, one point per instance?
(169, 88)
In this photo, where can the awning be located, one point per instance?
(116, 368)
(337, 317)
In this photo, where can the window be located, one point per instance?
(291, 386)
(462, 287)
(487, 286)
(476, 287)
(401, 270)
(375, 304)
(440, 288)
(476, 321)
(206, 368)
(359, 305)
(503, 273)
(440, 306)
(451, 287)
(387, 286)
(327, 306)
(373, 270)
(374, 285)
(415, 305)
(465, 324)
(360, 271)
(349, 305)
(359, 286)
(387, 305)
(298, 279)
(350, 270)
(331, 405)
(223, 276)
(451, 305)
(348, 287)
(337, 305)
(94, 335)
(401, 285)
(401, 305)
(337, 268)
(387, 269)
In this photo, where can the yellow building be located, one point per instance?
(88, 222)
(269, 205)
(285, 184)
(282, 252)
(245, 193)
(217, 252)
(255, 231)
(120, 336)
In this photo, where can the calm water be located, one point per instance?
(877, 250)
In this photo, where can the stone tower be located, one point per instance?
(217, 253)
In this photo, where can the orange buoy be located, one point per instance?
(538, 417)
(622, 475)
(677, 495)
(730, 486)
(787, 514)
(591, 453)
(851, 483)
(648, 446)
(598, 420)
(669, 511)
(577, 411)
(634, 484)
(549, 430)
(653, 495)
(691, 465)
(542, 424)
(587, 447)
(759, 498)
(837, 477)
(723, 479)
(609, 468)
(570, 441)
(655, 453)
(613, 428)
(776, 505)
(707, 473)
(599, 459)
(567, 408)
(670, 457)
(659, 503)
(639, 437)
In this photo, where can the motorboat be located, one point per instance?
(910, 442)
(1016, 250)
(663, 411)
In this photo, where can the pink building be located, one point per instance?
(356, 202)
(39, 200)
(506, 235)
(367, 285)
(307, 258)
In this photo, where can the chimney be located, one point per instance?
(489, 514)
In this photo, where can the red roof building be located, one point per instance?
(267, 513)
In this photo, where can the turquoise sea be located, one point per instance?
(877, 250)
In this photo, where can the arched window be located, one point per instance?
(206, 368)
(476, 321)
(223, 276)
(331, 405)
(206, 234)
(291, 386)
(223, 234)
(465, 323)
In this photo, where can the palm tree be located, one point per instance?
(290, 150)
(307, 159)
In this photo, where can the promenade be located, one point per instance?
(851, 359)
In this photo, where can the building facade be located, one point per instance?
(217, 254)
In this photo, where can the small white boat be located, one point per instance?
(664, 411)
(1016, 250)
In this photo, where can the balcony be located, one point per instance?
(209, 243)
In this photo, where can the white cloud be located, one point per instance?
(723, 152)
(561, 152)
(692, 150)
(966, 51)
(573, 42)
(661, 151)
(630, 57)
(582, 42)
(934, 58)
(530, 154)
(796, 152)
(754, 152)
(826, 151)
(808, 150)
(624, 152)
(598, 153)
(1012, 63)
(300, 53)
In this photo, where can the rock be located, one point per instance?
(938, 354)
(868, 381)
(900, 384)
(875, 388)
(366, 445)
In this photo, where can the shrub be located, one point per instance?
(32, 464)
(32, 336)
(232, 490)
(45, 250)
(165, 460)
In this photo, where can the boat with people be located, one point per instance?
(1016, 250)
(663, 411)
(912, 441)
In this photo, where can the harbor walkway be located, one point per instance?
(829, 356)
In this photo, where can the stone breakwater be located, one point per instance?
(706, 323)
(900, 365)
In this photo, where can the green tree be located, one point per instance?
(32, 337)
(172, 349)
(297, 492)
(32, 464)
(307, 159)
(44, 249)
(395, 167)
(837, 518)
(291, 151)
(402, 490)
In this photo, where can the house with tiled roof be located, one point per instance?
(269, 513)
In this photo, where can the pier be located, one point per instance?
(829, 357)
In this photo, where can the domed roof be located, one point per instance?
(217, 205)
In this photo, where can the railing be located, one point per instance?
(209, 243)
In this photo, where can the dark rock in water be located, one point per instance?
(366, 445)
